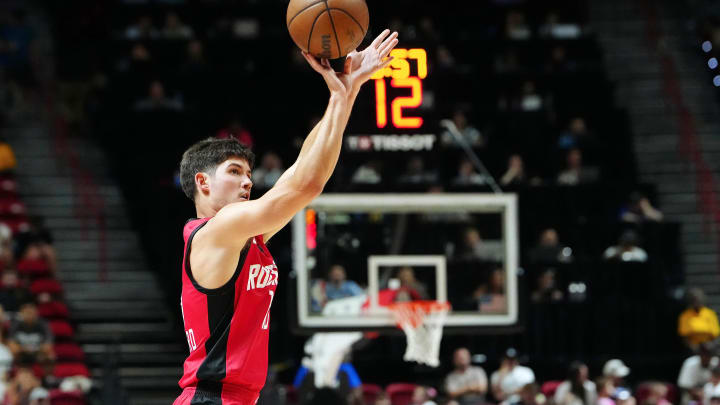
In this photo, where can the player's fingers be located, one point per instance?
(347, 69)
(313, 62)
(380, 38)
(388, 39)
(386, 62)
(389, 47)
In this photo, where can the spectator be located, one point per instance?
(175, 29)
(368, 173)
(470, 135)
(696, 371)
(269, 171)
(558, 62)
(711, 389)
(30, 337)
(577, 389)
(547, 290)
(575, 173)
(657, 394)
(555, 29)
(531, 100)
(466, 384)
(605, 391)
(6, 362)
(627, 249)
(577, 136)
(422, 396)
(12, 293)
(195, 64)
(639, 210)
(515, 26)
(530, 395)
(550, 250)
(21, 386)
(337, 286)
(473, 247)
(246, 28)
(508, 381)
(408, 282)
(142, 29)
(6, 247)
(697, 324)
(157, 100)
(515, 173)
(39, 396)
(617, 370)
(238, 131)
(490, 297)
(467, 176)
(35, 243)
(415, 172)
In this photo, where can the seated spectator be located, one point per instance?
(422, 396)
(30, 337)
(515, 173)
(142, 29)
(490, 297)
(467, 176)
(470, 135)
(710, 390)
(269, 171)
(12, 292)
(175, 29)
(547, 290)
(509, 380)
(6, 363)
(466, 384)
(336, 287)
(639, 210)
(195, 63)
(530, 100)
(246, 28)
(21, 386)
(617, 370)
(416, 173)
(473, 248)
(236, 130)
(577, 136)
(39, 396)
(408, 282)
(605, 391)
(157, 100)
(575, 173)
(696, 371)
(35, 243)
(529, 395)
(367, 173)
(6, 247)
(657, 394)
(7, 157)
(515, 26)
(627, 249)
(697, 324)
(577, 389)
(550, 250)
(553, 28)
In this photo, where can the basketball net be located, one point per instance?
(422, 322)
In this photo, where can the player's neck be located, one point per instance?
(204, 211)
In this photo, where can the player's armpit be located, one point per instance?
(235, 223)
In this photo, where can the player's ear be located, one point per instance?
(202, 182)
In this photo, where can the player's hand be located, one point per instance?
(360, 66)
(331, 77)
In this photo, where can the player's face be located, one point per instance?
(232, 182)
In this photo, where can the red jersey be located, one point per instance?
(227, 327)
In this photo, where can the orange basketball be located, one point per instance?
(328, 28)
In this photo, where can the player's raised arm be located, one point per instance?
(237, 222)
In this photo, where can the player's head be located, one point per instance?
(217, 172)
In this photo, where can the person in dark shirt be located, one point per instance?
(12, 292)
(30, 337)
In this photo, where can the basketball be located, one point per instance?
(327, 28)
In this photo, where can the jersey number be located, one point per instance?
(191, 339)
(266, 321)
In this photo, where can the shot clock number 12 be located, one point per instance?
(399, 72)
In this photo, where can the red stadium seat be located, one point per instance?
(33, 268)
(53, 310)
(61, 330)
(370, 393)
(400, 393)
(69, 352)
(11, 207)
(47, 285)
(18, 224)
(38, 370)
(58, 397)
(549, 387)
(71, 369)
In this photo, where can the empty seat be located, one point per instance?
(53, 310)
(400, 393)
(61, 330)
(69, 352)
(70, 369)
(33, 268)
(47, 285)
(370, 393)
(58, 397)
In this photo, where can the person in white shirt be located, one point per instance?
(711, 390)
(696, 372)
(466, 384)
(577, 389)
(510, 378)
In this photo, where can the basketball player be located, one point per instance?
(229, 277)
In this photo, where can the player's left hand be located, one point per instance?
(360, 66)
